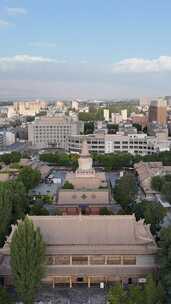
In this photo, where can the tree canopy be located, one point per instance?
(165, 261)
(152, 212)
(27, 260)
(5, 210)
(5, 297)
(29, 177)
(8, 158)
(151, 293)
(162, 184)
(125, 190)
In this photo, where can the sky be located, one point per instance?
(85, 48)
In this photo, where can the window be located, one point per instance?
(129, 260)
(62, 260)
(79, 260)
(97, 260)
(114, 260)
(49, 260)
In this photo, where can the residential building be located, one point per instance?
(124, 114)
(139, 119)
(110, 143)
(2, 140)
(7, 138)
(158, 111)
(29, 108)
(90, 250)
(144, 101)
(116, 118)
(106, 114)
(155, 128)
(75, 105)
(52, 131)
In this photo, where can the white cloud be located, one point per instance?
(43, 44)
(15, 11)
(140, 65)
(10, 63)
(4, 23)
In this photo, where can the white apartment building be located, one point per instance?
(7, 138)
(106, 114)
(52, 131)
(75, 105)
(124, 114)
(113, 143)
(116, 118)
(2, 140)
(29, 108)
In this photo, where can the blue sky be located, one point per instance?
(78, 48)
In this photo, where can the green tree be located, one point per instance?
(166, 191)
(29, 177)
(105, 211)
(68, 185)
(153, 293)
(135, 295)
(4, 297)
(138, 127)
(27, 260)
(19, 199)
(117, 295)
(89, 127)
(8, 158)
(125, 190)
(152, 212)
(38, 210)
(165, 260)
(157, 183)
(5, 210)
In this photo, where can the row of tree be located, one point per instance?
(60, 159)
(14, 200)
(116, 161)
(162, 184)
(125, 193)
(8, 158)
(150, 293)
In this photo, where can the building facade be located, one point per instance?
(113, 143)
(30, 108)
(52, 131)
(158, 111)
(7, 138)
(106, 114)
(91, 249)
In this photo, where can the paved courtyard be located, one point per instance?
(77, 295)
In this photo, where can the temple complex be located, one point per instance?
(90, 250)
(88, 190)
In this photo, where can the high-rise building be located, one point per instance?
(52, 131)
(124, 114)
(158, 111)
(7, 138)
(75, 105)
(106, 114)
(144, 101)
(30, 108)
(116, 118)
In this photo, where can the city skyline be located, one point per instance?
(84, 50)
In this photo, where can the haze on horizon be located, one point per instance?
(85, 49)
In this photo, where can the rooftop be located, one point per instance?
(92, 230)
